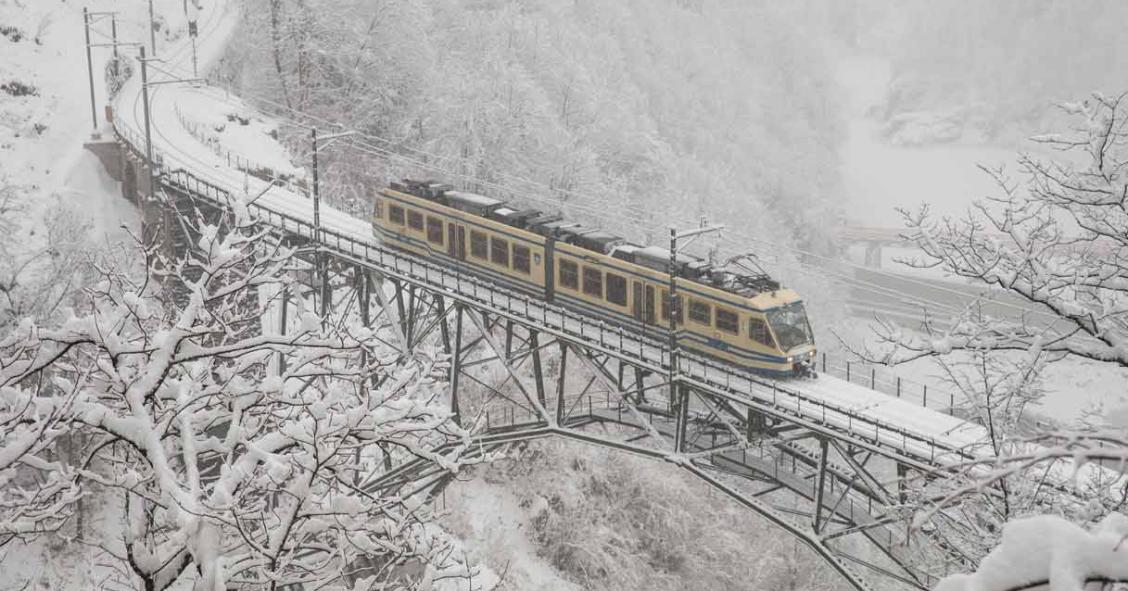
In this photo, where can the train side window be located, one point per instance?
(593, 282)
(727, 321)
(665, 307)
(395, 215)
(499, 251)
(758, 331)
(434, 230)
(569, 274)
(378, 208)
(414, 220)
(479, 245)
(700, 312)
(521, 258)
(616, 289)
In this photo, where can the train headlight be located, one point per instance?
(791, 360)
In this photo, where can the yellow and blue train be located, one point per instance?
(745, 319)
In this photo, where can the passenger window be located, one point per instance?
(479, 245)
(434, 230)
(616, 289)
(569, 274)
(593, 282)
(700, 312)
(727, 321)
(521, 258)
(499, 251)
(414, 220)
(758, 331)
(395, 215)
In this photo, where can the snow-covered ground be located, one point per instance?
(43, 126)
(495, 529)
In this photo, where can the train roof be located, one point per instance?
(745, 282)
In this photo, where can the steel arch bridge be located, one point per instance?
(812, 467)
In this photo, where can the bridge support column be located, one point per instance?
(560, 382)
(456, 363)
(755, 425)
(508, 339)
(820, 487)
(363, 287)
(409, 327)
(902, 484)
(682, 416)
(444, 329)
(537, 371)
(285, 294)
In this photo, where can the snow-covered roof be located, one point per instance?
(472, 198)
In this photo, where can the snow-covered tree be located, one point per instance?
(238, 455)
(1058, 240)
(43, 253)
(592, 105)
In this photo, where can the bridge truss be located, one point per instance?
(521, 369)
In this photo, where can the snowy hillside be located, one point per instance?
(55, 197)
(566, 516)
(653, 109)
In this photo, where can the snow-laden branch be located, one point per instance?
(1056, 240)
(239, 451)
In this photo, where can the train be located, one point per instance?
(741, 317)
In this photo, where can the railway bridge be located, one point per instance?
(814, 457)
(832, 461)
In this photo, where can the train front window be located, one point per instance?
(790, 325)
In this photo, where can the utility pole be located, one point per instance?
(152, 30)
(90, 69)
(678, 395)
(316, 191)
(113, 33)
(321, 268)
(148, 127)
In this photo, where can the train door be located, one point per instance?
(643, 302)
(456, 241)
